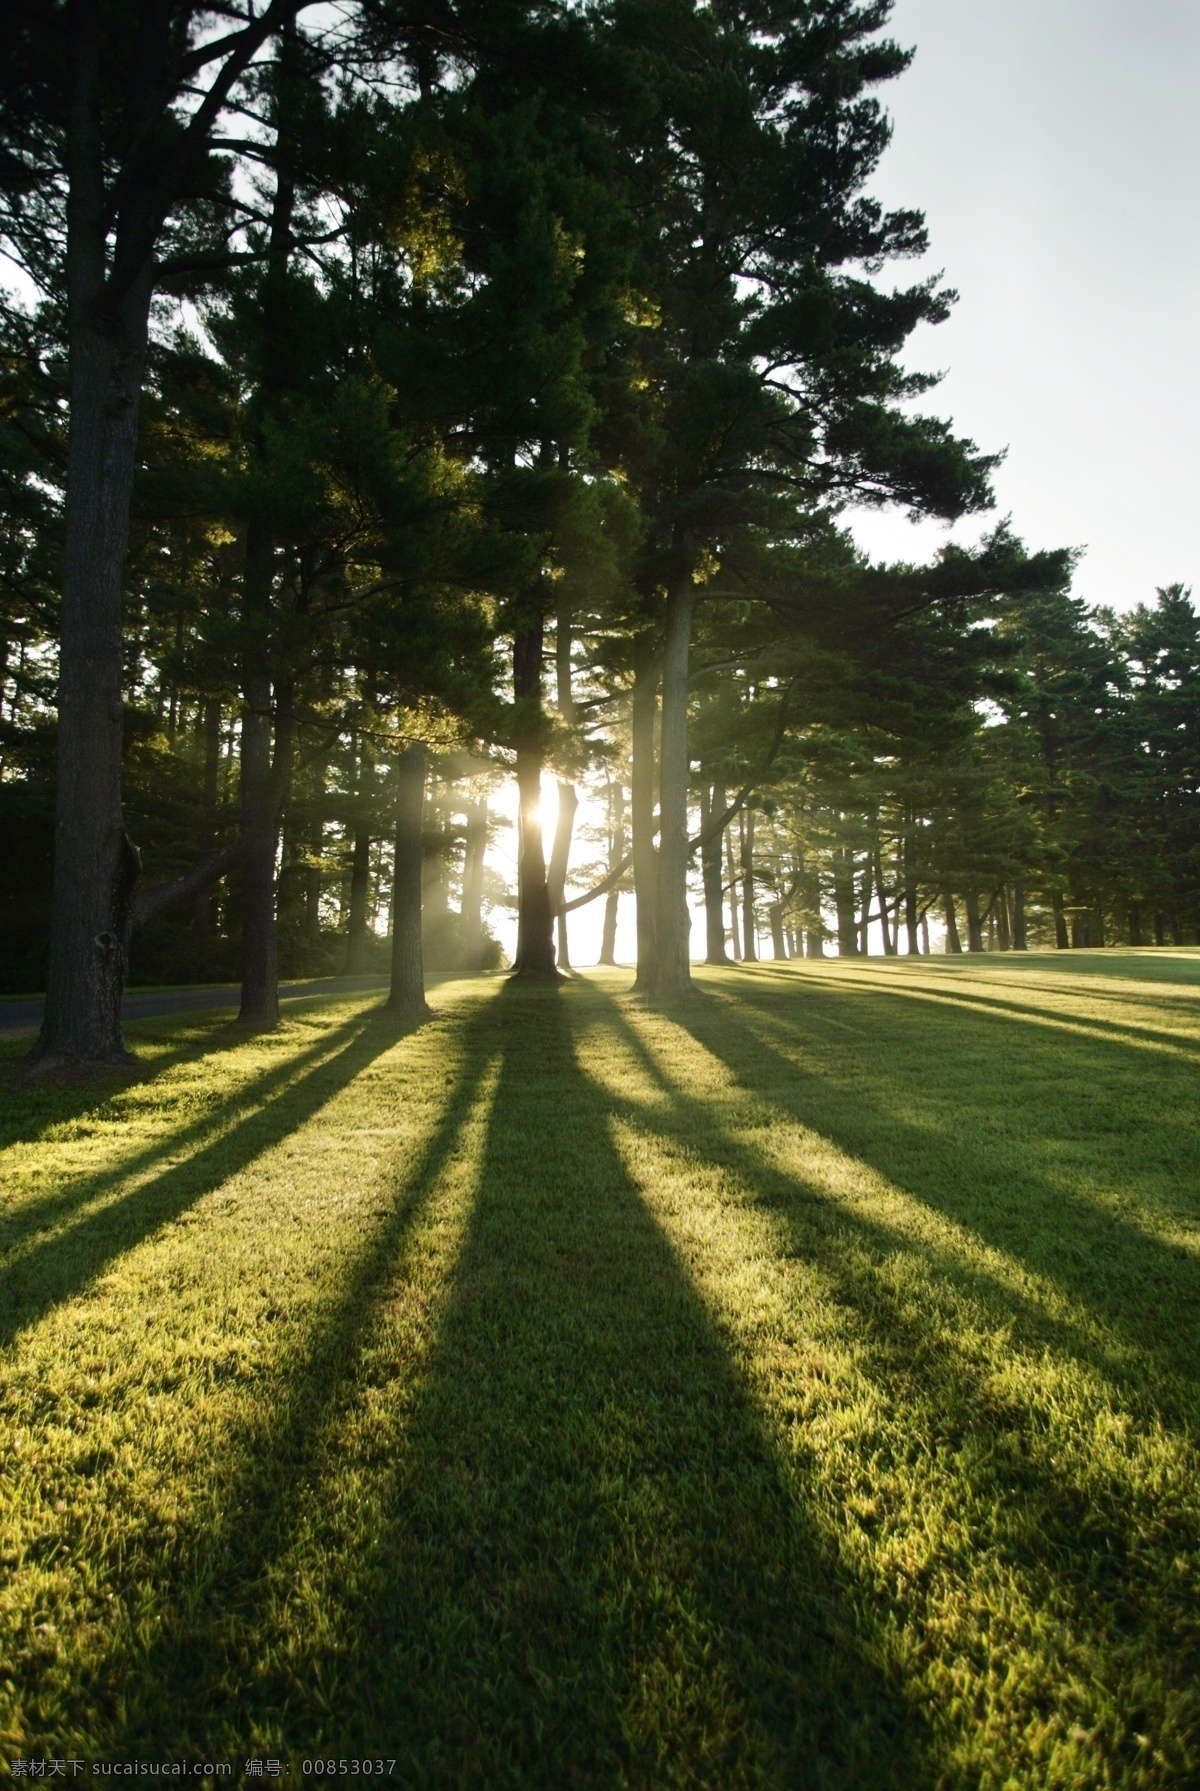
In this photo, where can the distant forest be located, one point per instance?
(399, 399)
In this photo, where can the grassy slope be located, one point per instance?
(793, 1386)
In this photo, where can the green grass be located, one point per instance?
(795, 1385)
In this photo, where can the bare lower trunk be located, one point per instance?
(357, 943)
(974, 921)
(407, 994)
(212, 765)
(1061, 938)
(843, 896)
(889, 944)
(535, 918)
(472, 896)
(778, 942)
(953, 942)
(749, 923)
(710, 860)
(735, 938)
(616, 854)
(911, 921)
(260, 964)
(1003, 930)
(560, 857)
(1135, 924)
(95, 865)
(1019, 936)
(673, 970)
(641, 811)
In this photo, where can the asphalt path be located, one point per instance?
(18, 1017)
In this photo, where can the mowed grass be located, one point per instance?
(794, 1385)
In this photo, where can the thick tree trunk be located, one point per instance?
(641, 810)
(731, 880)
(211, 724)
(864, 923)
(974, 921)
(1020, 938)
(911, 905)
(673, 970)
(472, 896)
(953, 942)
(560, 857)
(778, 942)
(95, 865)
(890, 945)
(844, 902)
(260, 964)
(616, 855)
(1003, 930)
(407, 994)
(749, 926)
(925, 934)
(1061, 937)
(1135, 924)
(535, 917)
(357, 943)
(710, 862)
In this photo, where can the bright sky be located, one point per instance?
(1052, 145)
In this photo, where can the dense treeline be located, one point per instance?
(405, 398)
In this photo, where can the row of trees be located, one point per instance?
(443, 391)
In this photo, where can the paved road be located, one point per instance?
(18, 1017)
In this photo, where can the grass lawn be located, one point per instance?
(795, 1385)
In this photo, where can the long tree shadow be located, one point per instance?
(1145, 1291)
(589, 1566)
(283, 1098)
(204, 1682)
(1085, 1543)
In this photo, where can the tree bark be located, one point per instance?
(749, 926)
(641, 809)
(1061, 937)
(1003, 931)
(974, 922)
(1135, 924)
(568, 800)
(472, 896)
(844, 901)
(953, 942)
(212, 764)
(535, 917)
(360, 865)
(710, 862)
(911, 916)
(890, 945)
(616, 854)
(407, 994)
(672, 960)
(95, 863)
(735, 937)
(1020, 938)
(778, 942)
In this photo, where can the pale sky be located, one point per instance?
(1053, 146)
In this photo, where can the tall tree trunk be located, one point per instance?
(673, 969)
(211, 725)
(568, 801)
(778, 942)
(616, 852)
(1020, 938)
(814, 942)
(749, 926)
(1061, 938)
(953, 942)
(735, 937)
(360, 863)
(472, 896)
(95, 864)
(713, 805)
(1135, 924)
(974, 921)
(911, 906)
(260, 965)
(889, 944)
(407, 994)
(641, 809)
(1003, 930)
(844, 901)
(864, 923)
(925, 934)
(535, 917)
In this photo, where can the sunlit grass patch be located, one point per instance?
(791, 1385)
